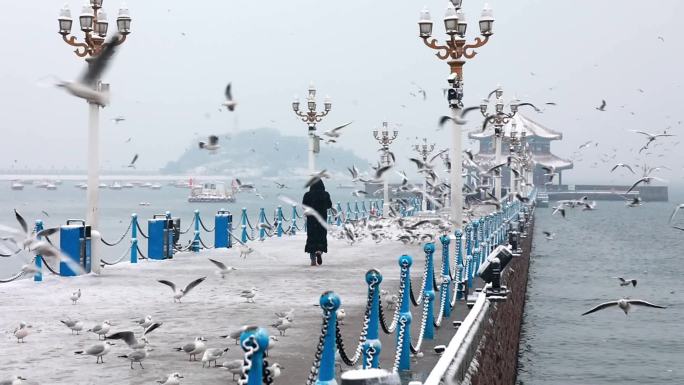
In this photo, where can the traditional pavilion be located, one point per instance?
(539, 139)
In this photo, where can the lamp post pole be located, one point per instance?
(312, 117)
(424, 150)
(499, 119)
(94, 24)
(455, 53)
(383, 137)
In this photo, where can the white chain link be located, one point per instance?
(247, 363)
(400, 344)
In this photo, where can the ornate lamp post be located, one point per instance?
(312, 117)
(383, 137)
(94, 24)
(498, 118)
(455, 52)
(424, 150)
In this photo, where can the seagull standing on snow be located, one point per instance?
(180, 293)
(172, 379)
(145, 322)
(14, 380)
(249, 294)
(101, 329)
(137, 355)
(75, 296)
(234, 367)
(74, 325)
(235, 334)
(194, 348)
(245, 250)
(625, 304)
(212, 355)
(21, 332)
(98, 350)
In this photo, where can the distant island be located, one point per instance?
(262, 152)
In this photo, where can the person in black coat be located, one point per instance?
(316, 235)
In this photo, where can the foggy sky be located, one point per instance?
(364, 54)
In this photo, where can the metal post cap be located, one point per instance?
(429, 248)
(373, 275)
(330, 301)
(445, 240)
(260, 334)
(458, 233)
(429, 295)
(405, 260)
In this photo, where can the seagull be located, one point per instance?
(272, 341)
(627, 282)
(85, 86)
(549, 236)
(280, 185)
(223, 270)
(651, 137)
(585, 145)
(180, 293)
(283, 326)
(458, 119)
(145, 322)
(212, 355)
(101, 329)
(129, 337)
(236, 333)
(132, 164)
(674, 212)
(316, 177)
(625, 304)
(275, 369)
(635, 202)
(118, 119)
(229, 102)
(646, 180)
(249, 294)
(194, 348)
(137, 355)
(98, 350)
(359, 193)
(335, 132)
(173, 379)
(286, 314)
(306, 210)
(622, 165)
(341, 314)
(74, 325)
(211, 144)
(21, 332)
(245, 250)
(234, 367)
(558, 209)
(602, 107)
(14, 380)
(75, 296)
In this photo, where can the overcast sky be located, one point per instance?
(168, 78)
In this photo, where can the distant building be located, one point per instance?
(539, 139)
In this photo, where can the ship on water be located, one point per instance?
(211, 192)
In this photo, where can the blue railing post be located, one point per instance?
(329, 302)
(339, 214)
(364, 212)
(459, 264)
(280, 221)
(372, 346)
(255, 341)
(38, 275)
(380, 207)
(445, 291)
(356, 210)
(405, 318)
(243, 224)
(429, 291)
(262, 221)
(349, 211)
(196, 238)
(134, 238)
(293, 225)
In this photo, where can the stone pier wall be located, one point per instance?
(497, 358)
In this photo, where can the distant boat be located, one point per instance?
(210, 192)
(41, 184)
(127, 185)
(156, 186)
(51, 186)
(103, 185)
(146, 184)
(17, 185)
(115, 186)
(144, 204)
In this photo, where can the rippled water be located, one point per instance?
(572, 273)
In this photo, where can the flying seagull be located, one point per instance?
(622, 165)
(316, 177)
(674, 212)
(458, 119)
(85, 86)
(602, 107)
(335, 132)
(646, 180)
(211, 144)
(118, 119)
(549, 236)
(223, 270)
(129, 337)
(132, 164)
(625, 304)
(180, 293)
(229, 103)
(627, 282)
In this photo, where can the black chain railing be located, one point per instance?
(13, 278)
(313, 373)
(120, 239)
(205, 227)
(121, 258)
(203, 245)
(141, 231)
(192, 222)
(142, 256)
(47, 265)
